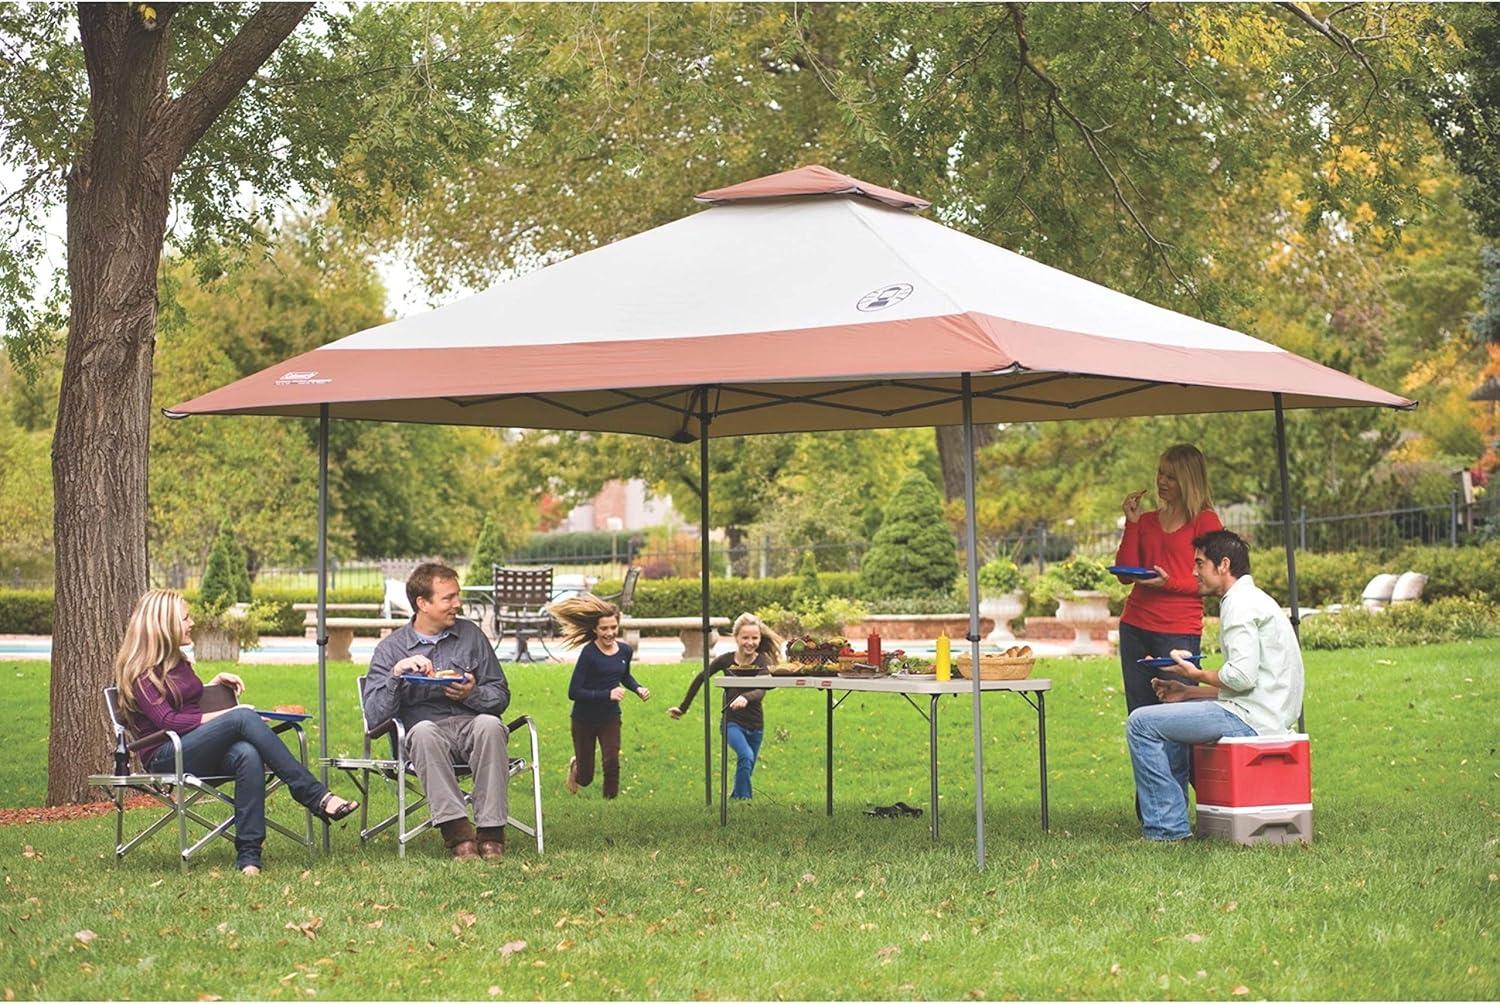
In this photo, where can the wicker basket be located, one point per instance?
(996, 666)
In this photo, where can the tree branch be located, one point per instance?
(1054, 97)
(188, 117)
(1335, 35)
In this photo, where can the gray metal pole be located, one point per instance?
(1286, 534)
(708, 752)
(323, 601)
(971, 546)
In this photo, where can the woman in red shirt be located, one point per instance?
(1163, 612)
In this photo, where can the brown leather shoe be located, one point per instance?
(492, 850)
(465, 850)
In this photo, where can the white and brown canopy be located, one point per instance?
(801, 301)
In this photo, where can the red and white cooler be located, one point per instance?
(1255, 789)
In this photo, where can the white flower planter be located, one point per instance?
(1002, 610)
(1082, 611)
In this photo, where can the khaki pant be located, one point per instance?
(479, 741)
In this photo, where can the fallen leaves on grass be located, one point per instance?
(85, 936)
(1240, 990)
(510, 948)
(209, 997)
(309, 928)
(885, 954)
(1192, 936)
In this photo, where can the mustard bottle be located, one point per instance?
(944, 662)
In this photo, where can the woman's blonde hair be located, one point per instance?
(579, 617)
(770, 641)
(1185, 463)
(152, 645)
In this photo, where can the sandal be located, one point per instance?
(345, 808)
(907, 810)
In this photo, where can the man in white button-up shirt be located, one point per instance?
(1258, 690)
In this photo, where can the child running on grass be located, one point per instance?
(600, 679)
(755, 650)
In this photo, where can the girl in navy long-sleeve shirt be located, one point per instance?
(600, 679)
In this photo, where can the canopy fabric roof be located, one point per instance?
(803, 301)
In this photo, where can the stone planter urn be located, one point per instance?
(1081, 611)
(1002, 609)
(215, 645)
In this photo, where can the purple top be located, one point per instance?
(154, 711)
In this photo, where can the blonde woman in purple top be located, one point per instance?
(159, 691)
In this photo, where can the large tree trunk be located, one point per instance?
(118, 194)
(117, 212)
(950, 447)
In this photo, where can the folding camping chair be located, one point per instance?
(521, 598)
(180, 791)
(400, 774)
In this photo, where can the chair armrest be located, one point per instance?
(154, 739)
(384, 728)
(523, 720)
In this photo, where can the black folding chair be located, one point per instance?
(180, 791)
(521, 598)
(400, 775)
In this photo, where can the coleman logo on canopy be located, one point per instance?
(883, 297)
(303, 378)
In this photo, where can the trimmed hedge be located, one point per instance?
(730, 597)
(578, 547)
(1449, 618)
(25, 611)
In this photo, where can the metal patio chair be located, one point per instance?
(521, 597)
(400, 776)
(180, 792)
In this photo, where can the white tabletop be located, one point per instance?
(879, 684)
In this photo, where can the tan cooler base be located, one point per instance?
(1257, 824)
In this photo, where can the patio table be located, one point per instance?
(1032, 691)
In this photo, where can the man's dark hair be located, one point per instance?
(419, 583)
(1220, 544)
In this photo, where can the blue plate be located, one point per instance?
(282, 716)
(1163, 662)
(1132, 571)
(440, 680)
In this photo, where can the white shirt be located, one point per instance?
(1261, 680)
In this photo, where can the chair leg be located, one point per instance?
(119, 826)
(181, 808)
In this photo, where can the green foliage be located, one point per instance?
(1077, 574)
(999, 576)
(809, 587)
(913, 553)
(490, 549)
(817, 616)
(680, 597)
(225, 580)
(585, 546)
(1452, 618)
(26, 611)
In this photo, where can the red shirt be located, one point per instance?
(1175, 608)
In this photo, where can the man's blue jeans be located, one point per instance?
(746, 744)
(241, 745)
(1160, 738)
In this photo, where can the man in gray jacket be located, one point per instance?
(1258, 690)
(447, 722)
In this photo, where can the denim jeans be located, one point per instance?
(241, 745)
(1160, 739)
(1138, 643)
(746, 745)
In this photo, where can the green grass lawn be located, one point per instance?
(648, 897)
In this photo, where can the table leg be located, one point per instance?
(828, 753)
(723, 768)
(1041, 739)
(932, 770)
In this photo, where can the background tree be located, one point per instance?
(913, 553)
(225, 581)
(147, 118)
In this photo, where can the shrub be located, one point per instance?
(822, 618)
(679, 597)
(26, 611)
(1450, 618)
(999, 576)
(490, 549)
(225, 579)
(584, 547)
(913, 553)
(809, 586)
(1078, 574)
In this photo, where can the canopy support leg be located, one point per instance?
(323, 602)
(1286, 531)
(708, 754)
(972, 547)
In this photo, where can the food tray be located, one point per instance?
(419, 678)
(1132, 571)
(283, 716)
(996, 667)
(1166, 662)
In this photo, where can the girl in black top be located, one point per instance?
(755, 650)
(600, 679)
